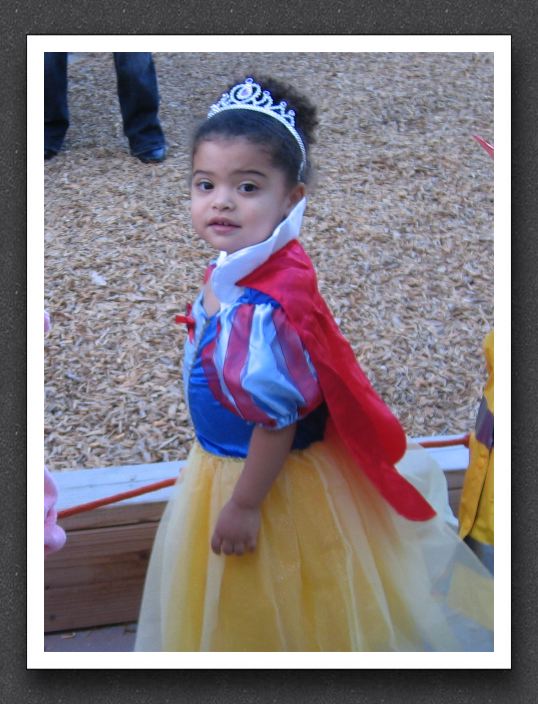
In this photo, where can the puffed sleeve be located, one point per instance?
(263, 372)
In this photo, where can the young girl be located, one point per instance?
(290, 528)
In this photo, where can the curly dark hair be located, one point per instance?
(264, 129)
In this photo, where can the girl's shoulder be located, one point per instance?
(255, 312)
(258, 308)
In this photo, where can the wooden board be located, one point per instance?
(98, 577)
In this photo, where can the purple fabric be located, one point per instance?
(484, 425)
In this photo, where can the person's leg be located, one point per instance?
(139, 102)
(56, 111)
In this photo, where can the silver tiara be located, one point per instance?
(251, 96)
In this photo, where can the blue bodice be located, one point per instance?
(246, 366)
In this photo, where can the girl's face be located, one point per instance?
(238, 196)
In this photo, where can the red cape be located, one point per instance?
(367, 427)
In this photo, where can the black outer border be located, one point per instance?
(255, 17)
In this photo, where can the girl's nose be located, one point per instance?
(222, 199)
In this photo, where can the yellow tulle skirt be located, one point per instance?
(335, 568)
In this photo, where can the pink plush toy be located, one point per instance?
(54, 535)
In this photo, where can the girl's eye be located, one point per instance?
(248, 187)
(204, 185)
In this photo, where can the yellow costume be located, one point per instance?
(476, 507)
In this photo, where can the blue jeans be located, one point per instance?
(137, 92)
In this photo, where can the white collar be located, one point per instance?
(233, 267)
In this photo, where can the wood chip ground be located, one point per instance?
(399, 225)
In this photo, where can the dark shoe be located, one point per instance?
(50, 154)
(152, 156)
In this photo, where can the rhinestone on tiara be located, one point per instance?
(250, 96)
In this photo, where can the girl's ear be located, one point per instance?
(296, 194)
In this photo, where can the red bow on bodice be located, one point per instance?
(188, 320)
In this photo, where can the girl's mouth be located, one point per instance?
(223, 227)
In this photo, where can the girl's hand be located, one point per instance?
(238, 523)
(236, 530)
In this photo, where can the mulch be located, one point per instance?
(399, 225)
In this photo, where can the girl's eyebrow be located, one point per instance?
(239, 172)
(251, 171)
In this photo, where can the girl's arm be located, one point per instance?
(238, 523)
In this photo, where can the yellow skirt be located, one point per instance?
(335, 568)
